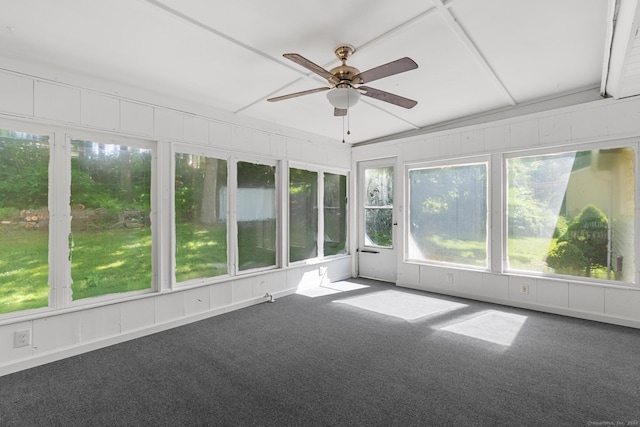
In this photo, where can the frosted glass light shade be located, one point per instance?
(343, 97)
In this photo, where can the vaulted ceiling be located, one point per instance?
(473, 56)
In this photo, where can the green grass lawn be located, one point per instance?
(115, 261)
(110, 261)
(201, 251)
(103, 262)
(24, 270)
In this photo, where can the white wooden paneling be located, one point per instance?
(470, 282)
(16, 94)
(168, 124)
(623, 303)
(496, 137)
(294, 278)
(220, 134)
(137, 314)
(7, 351)
(135, 118)
(169, 307)
(450, 145)
(196, 300)
(496, 285)
(221, 294)
(56, 102)
(196, 129)
(586, 298)
(100, 111)
(515, 289)
(55, 332)
(552, 293)
(338, 158)
(624, 118)
(430, 148)
(438, 278)
(295, 148)
(241, 138)
(472, 141)
(524, 134)
(259, 143)
(99, 322)
(589, 123)
(278, 146)
(555, 128)
(408, 274)
(277, 281)
(260, 285)
(242, 289)
(412, 151)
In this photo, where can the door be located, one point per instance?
(377, 220)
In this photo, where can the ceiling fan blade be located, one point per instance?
(394, 67)
(301, 60)
(296, 94)
(339, 112)
(387, 97)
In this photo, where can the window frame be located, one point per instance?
(558, 150)
(180, 148)
(453, 162)
(64, 196)
(320, 171)
(232, 170)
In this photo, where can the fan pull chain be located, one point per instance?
(343, 129)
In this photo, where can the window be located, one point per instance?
(256, 215)
(24, 216)
(200, 217)
(378, 207)
(572, 213)
(110, 208)
(448, 214)
(335, 214)
(303, 214)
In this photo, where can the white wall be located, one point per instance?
(592, 122)
(35, 104)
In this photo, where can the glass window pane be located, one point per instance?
(303, 214)
(24, 216)
(256, 211)
(573, 213)
(110, 207)
(378, 207)
(335, 214)
(448, 214)
(201, 216)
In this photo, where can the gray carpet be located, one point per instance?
(350, 358)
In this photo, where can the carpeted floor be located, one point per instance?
(359, 353)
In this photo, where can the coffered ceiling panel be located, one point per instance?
(474, 56)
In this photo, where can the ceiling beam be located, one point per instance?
(473, 50)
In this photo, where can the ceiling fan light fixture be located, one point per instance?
(343, 97)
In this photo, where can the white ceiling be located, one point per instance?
(474, 56)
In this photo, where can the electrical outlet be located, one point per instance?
(22, 338)
(449, 278)
(524, 289)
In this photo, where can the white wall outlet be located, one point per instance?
(22, 338)
(524, 288)
(449, 278)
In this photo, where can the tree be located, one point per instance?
(208, 213)
(584, 244)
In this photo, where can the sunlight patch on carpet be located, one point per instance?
(330, 289)
(492, 326)
(401, 304)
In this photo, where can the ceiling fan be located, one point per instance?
(343, 92)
